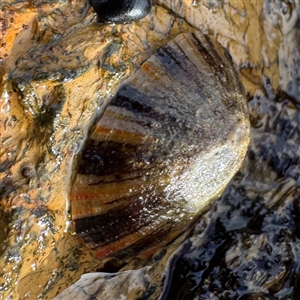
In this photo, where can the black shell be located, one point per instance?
(121, 10)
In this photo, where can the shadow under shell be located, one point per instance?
(165, 147)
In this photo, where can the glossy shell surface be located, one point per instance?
(166, 145)
(121, 10)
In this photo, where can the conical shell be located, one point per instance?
(166, 146)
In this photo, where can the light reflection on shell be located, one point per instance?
(166, 146)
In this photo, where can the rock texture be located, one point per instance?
(42, 128)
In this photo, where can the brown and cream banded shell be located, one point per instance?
(166, 145)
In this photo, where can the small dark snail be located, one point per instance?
(166, 145)
(121, 10)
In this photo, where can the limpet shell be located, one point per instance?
(165, 147)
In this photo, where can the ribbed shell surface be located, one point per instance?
(167, 141)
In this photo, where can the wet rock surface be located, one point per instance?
(245, 247)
